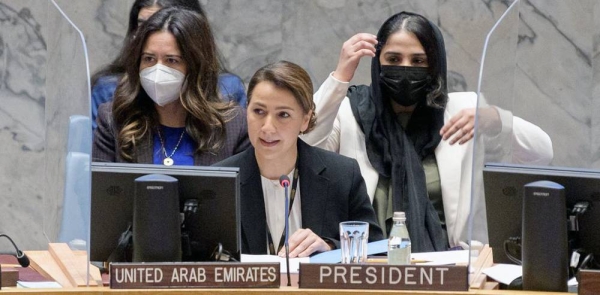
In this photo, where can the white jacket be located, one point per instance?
(337, 130)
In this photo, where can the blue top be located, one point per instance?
(184, 155)
(231, 88)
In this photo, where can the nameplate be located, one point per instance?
(193, 275)
(589, 282)
(384, 277)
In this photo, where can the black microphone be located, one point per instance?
(21, 257)
(284, 180)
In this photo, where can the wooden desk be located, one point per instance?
(282, 290)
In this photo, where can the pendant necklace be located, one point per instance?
(168, 161)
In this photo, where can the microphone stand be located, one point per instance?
(287, 233)
(21, 257)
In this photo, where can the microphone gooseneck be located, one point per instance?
(284, 181)
(21, 257)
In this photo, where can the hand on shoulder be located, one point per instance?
(461, 127)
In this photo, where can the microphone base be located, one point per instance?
(293, 281)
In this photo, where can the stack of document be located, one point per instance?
(460, 257)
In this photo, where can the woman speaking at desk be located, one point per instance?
(166, 108)
(326, 188)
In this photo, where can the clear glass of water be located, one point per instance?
(353, 241)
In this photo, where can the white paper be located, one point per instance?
(428, 258)
(441, 257)
(42, 285)
(335, 256)
(294, 262)
(504, 273)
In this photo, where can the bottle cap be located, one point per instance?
(399, 216)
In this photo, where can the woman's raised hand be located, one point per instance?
(359, 45)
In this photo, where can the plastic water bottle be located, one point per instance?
(399, 241)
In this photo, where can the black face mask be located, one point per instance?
(405, 85)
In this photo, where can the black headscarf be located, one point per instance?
(397, 153)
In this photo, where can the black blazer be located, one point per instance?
(105, 147)
(331, 187)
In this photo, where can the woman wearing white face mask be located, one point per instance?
(104, 81)
(166, 108)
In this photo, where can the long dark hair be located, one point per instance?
(433, 43)
(133, 111)
(117, 66)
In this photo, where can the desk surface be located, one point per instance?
(282, 290)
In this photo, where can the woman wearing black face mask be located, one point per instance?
(402, 130)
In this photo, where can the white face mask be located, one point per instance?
(162, 84)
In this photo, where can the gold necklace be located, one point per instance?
(168, 161)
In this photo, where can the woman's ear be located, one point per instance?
(306, 122)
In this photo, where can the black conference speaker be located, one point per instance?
(156, 219)
(544, 237)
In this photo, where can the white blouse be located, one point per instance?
(274, 197)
